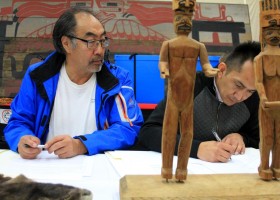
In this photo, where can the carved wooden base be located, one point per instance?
(218, 186)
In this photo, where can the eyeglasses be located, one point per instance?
(93, 44)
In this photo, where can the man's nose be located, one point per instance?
(241, 95)
(99, 49)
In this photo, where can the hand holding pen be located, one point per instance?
(28, 147)
(217, 137)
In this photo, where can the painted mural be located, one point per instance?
(134, 27)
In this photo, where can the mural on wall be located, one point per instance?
(134, 27)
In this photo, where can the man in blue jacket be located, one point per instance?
(73, 102)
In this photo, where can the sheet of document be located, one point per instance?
(94, 173)
(149, 163)
(46, 166)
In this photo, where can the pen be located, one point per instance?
(216, 136)
(39, 146)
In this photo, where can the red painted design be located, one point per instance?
(149, 16)
(131, 30)
(221, 17)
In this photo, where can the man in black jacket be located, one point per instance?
(226, 105)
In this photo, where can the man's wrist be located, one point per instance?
(81, 148)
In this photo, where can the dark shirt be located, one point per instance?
(209, 113)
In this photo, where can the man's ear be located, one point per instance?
(222, 69)
(66, 43)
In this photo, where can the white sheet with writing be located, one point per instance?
(149, 163)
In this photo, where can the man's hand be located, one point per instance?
(236, 141)
(65, 146)
(213, 151)
(27, 147)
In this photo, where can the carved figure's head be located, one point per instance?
(270, 22)
(176, 4)
(183, 13)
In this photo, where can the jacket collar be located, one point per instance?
(105, 78)
(49, 68)
(209, 82)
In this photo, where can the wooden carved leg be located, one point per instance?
(169, 133)
(266, 143)
(186, 130)
(276, 151)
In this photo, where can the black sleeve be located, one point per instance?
(151, 133)
(250, 130)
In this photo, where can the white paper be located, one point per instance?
(149, 163)
(46, 166)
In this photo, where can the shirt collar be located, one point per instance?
(218, 96)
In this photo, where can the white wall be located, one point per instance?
(254, 10)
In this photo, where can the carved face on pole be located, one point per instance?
(270, 22)
(176, 4)
(182, 23)
(271, 35)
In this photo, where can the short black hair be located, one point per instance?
(65, 25)
(240, 54)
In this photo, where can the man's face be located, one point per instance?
(84, 59)
(234, 86)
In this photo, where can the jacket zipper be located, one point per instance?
(102, 102)
(217, 118)
(47, 123)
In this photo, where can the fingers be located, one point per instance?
(224, 152)
(63, 146)
(56, 143)
(211, 72)
(213, 151)
(29, 141)
(27, 147)
(236, 141)
(223, 158)
(55, 140)
(239, 149)
(62, 153)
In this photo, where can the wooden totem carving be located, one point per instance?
(267, 77)
(178, 58)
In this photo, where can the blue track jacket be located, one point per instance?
(118, 117)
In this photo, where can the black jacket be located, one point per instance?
(209, 113)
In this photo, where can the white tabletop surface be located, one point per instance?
(101, 173)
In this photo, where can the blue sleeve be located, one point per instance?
(23, 117)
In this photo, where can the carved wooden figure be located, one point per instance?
(267, 72)
(178, 59)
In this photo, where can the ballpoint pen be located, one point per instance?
(39, 146)
(216, 135)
